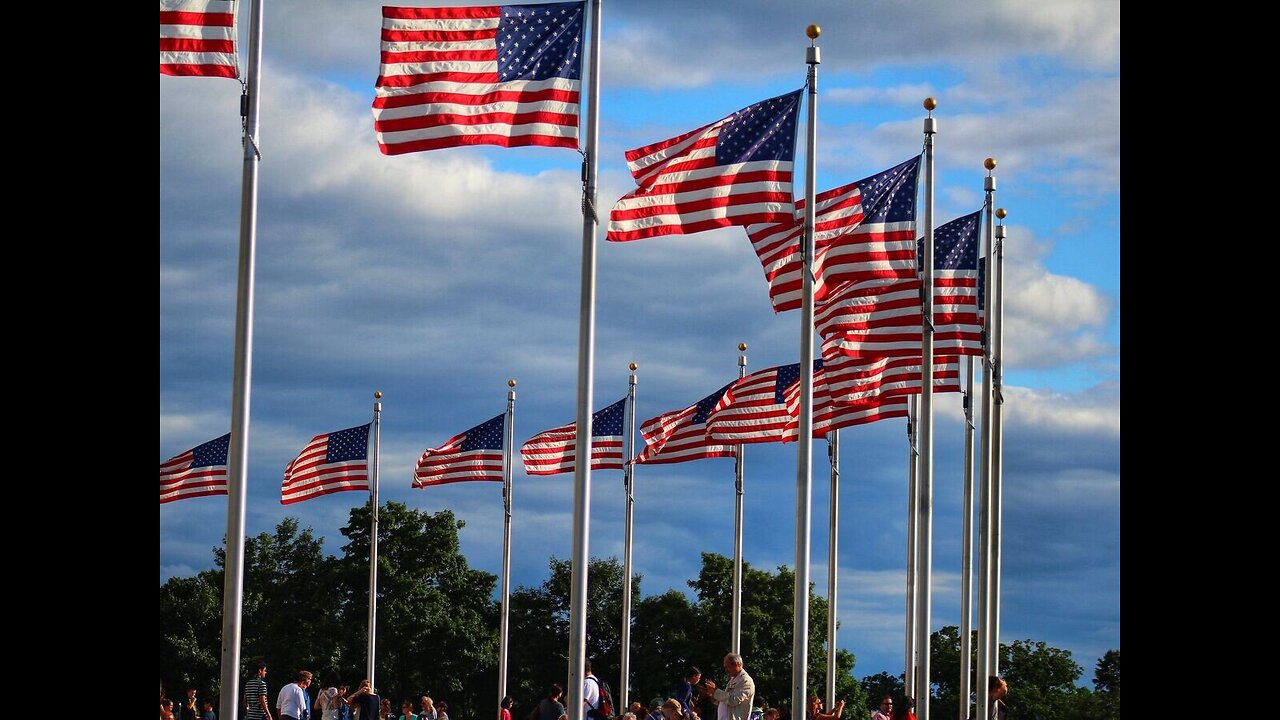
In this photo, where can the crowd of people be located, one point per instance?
(694, 698)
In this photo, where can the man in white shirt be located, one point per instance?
(590, 689)
(736, 697)
(291, 703)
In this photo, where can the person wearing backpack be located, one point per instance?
(595, 695)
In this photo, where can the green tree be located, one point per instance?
(768, 601)
(875, 687)
(437, 622)
(1041, 679)
(539, 621)
(1106, 676)
(191, 633)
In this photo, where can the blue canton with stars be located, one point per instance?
(955, 244)
(537, 42)
(608, 422)
(890, 196)
(349, 444)
(212, 453)
(485, 436)
(982, 284)
(788, 375)
(706, 405)
(764, 131)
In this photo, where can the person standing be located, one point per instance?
(734, 701)
(590, 689)
(206, 711)
(189, 709)
(365, 701)
(686, 692)
(885, 711)
(255, 694)
(998, 688)
(550, 707)
(291, 703)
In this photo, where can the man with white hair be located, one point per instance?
(734, 701)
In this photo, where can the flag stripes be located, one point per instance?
(198, 472)
(735, 171)
(555, 451)
(198, 38)
(474, 455)
(491, 75)
(331, 462)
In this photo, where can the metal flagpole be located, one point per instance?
(985, 668)
(508, 446)
(804, 443)
(966, 551)
(735, 641)
(913, 497)
(997, 438)
(241, 376)
(924, 543)
(833, 542)
(628, 478)
(586, 357)
(373, 537)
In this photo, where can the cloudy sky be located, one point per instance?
(435, 277)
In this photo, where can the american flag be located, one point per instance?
(476, 454)
(555, 451)
(957, 325)
(829, 415)
(330, 463)
(494, 75)
(681, 435)
(754, 409)
(198, 37)
(198, 472)
(735, 171)
(862, 231)
(881, 318)
(862, 382)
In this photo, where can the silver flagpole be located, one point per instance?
(966, 551)
(586, 358)
(373, 537)
(997, 438)
(804, 443)
(241, 376)
(628, 480)
(985, 668)
(924, 544)
(833, 542)
(508, 446)
(740, 457)
(913, 499)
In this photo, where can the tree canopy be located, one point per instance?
(438, 628)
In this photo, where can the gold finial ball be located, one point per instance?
(377, 394)
(1001, 213)
(930, 104)
(511, 382)
(742, 347)
(633, 367)
(989, 163)
(813, 31)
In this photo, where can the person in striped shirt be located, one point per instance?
(255, 694)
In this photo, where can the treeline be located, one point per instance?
(438, 625)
